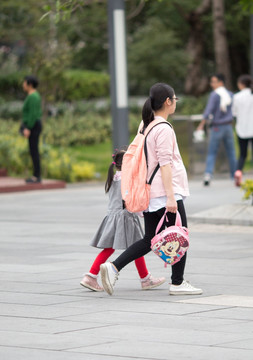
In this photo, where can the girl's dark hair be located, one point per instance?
(32, 80)
(116, 163)
(247, 81)
(157, 95)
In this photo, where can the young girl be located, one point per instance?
(168, 189)
(118, 230)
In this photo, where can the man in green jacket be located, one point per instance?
(31, 124)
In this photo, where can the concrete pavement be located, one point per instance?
(45, 313)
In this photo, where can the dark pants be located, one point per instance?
(34, 148)
(243, 144)
(142, 247)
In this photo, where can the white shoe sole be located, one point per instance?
(91, 287)
(154, 286)
(200, 292)
(105, 280)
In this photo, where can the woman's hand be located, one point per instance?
(27, 133)
(171, 205)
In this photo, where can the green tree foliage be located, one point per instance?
(41, 49)
(238, 31)
(86, 30)
(247, 5)
(153, 57)
(51, 36)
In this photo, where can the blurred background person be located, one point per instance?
(31, 127)
(219, 109)
(243, 112)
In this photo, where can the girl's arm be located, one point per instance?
(166, 172)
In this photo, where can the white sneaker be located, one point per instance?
(108, 277)
(207, 179)
(184, 289)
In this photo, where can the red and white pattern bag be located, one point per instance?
(172, 243)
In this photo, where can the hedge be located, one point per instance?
(11, 85)
(72, 85)
(80, 84)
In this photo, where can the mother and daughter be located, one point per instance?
(168, 191)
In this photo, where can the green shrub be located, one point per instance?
(72, 85)
(190, 105)
(11, 85)
(71, 130)
(11, 110)
(81, 84)
(56, 163)
(82, 170)
(247, 187)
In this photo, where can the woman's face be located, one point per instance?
(172, 103)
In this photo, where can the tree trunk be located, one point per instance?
(222, 59)
(196, 83)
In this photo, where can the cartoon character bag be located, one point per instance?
(172, 243)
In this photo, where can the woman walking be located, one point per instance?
(168, 190)
(243, 111)
(118, 230)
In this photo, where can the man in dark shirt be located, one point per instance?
(219, 108)
(31, 124)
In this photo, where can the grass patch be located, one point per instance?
(98, 154)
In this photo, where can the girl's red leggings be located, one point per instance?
(106, 253)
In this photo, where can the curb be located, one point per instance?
(235, 214)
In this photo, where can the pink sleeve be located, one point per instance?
(164, 144)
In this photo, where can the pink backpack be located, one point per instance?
(135, 188)
(172, 243)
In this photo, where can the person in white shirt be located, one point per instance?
(242, 109)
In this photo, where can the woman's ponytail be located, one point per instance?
(147, 113)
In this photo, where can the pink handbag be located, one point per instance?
(172, 243)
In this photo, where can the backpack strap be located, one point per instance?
(146, 152)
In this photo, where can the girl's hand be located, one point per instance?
(171, 205)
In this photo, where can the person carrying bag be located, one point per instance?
(167, 191)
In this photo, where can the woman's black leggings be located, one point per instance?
(142, 247)
(243, 143)
(34, 148)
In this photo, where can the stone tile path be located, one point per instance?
(46, 315)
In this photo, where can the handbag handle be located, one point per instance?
(178, 221)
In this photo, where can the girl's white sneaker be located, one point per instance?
(184, 289)
(109, 276)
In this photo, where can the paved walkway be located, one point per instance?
(46, 315)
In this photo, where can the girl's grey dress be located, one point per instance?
(120, 228)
